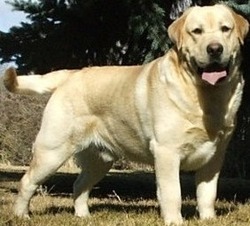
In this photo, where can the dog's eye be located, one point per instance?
(197, 31)
(225, 29)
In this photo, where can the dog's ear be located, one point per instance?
(242, 26)
(175, 30)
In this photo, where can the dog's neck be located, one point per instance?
(220, 104)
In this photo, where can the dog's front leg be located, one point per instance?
(206, 186)
(168, 185)
(206, 194)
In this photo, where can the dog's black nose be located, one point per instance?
(214, 49)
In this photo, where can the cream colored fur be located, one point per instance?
(161, 113)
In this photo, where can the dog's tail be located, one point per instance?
(32, 84)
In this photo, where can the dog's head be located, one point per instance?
(209, 38)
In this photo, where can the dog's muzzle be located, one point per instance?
(214, 72)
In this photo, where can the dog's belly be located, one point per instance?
(134, 149)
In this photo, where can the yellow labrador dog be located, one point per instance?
(177, 113)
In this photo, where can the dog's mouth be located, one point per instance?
(213, 73)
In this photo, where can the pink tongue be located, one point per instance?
(213, 77)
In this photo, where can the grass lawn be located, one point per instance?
(121, 198)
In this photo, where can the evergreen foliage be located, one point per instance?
(241, 6)
(77, 33)
(147, 25)
(65, 34)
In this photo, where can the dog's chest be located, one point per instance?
(194, 155)
(198, 149)
(200, 144)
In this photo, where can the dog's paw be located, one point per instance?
(173, 220)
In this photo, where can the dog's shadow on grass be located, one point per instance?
(188, 210)
(96, 208)
(136, 186)
(141, 186)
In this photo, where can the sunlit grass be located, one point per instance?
(49, 210)
(109, 209)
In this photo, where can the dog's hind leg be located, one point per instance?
(94, 168)
(44, 164)
(53, 146)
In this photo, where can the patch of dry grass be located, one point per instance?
(20, 118)
(123, 198)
